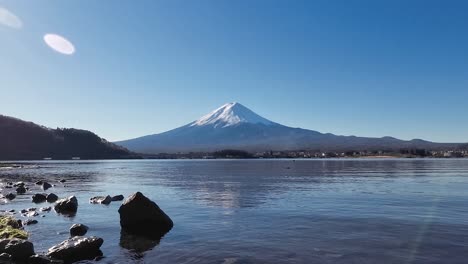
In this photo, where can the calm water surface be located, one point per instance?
(267, 211)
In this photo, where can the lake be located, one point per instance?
(266, 211)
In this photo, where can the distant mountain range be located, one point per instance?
(21, 140)
(234, 126)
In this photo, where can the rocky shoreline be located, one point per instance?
(140, 218)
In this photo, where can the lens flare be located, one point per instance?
(59, 44)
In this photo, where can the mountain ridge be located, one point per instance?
(234, 126)
(24, 140)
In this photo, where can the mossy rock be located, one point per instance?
(10, 228)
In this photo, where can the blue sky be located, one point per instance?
(367, 68)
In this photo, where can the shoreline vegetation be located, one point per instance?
(302, 154)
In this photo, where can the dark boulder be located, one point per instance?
(51, 198)
(100, 200)
(19, 249)
(77, 249)
(117, 198)
(141, 216)
(10, 196)
(67, 206)
(78, 230)
(39, 198)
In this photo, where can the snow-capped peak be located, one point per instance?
(231, 114)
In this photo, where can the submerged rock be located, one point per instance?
(119, 197)
(77, 249)
(78, 230)
(42, 259)
(100, 200)
(139, 215)
(39, 198)
(51, 198)
(39, 182)
(62, 180)
(67, 206)
(19, 249)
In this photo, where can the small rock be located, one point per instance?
(31, 214)
(8, 187)
(39, 182)
(46, 185)
(39, 198)
(77, 249)
(45, 209)
(19, 249)
(139, 215)
(29, 222)
(78, 230)
(67, 206)
(19, 184)
(51, 198)
(62, 180)
(31, 209)
(11, 211)
(119, 197)
(10, 196)
(23, 211)
(101, 200)
(21, 190)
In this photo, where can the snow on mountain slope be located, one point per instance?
(231, 114)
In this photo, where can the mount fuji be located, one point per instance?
(234, 126)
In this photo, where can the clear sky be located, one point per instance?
(366, 68)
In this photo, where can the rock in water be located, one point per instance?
(39, 198)
(46, 185)
(117, 198)
(29, 222)
(19, 249)
(51, 198)
(100, 200)
(139, 215)
(21, 190)
(77, 249)
(10, 196)
(67, 206)
(78, 230)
